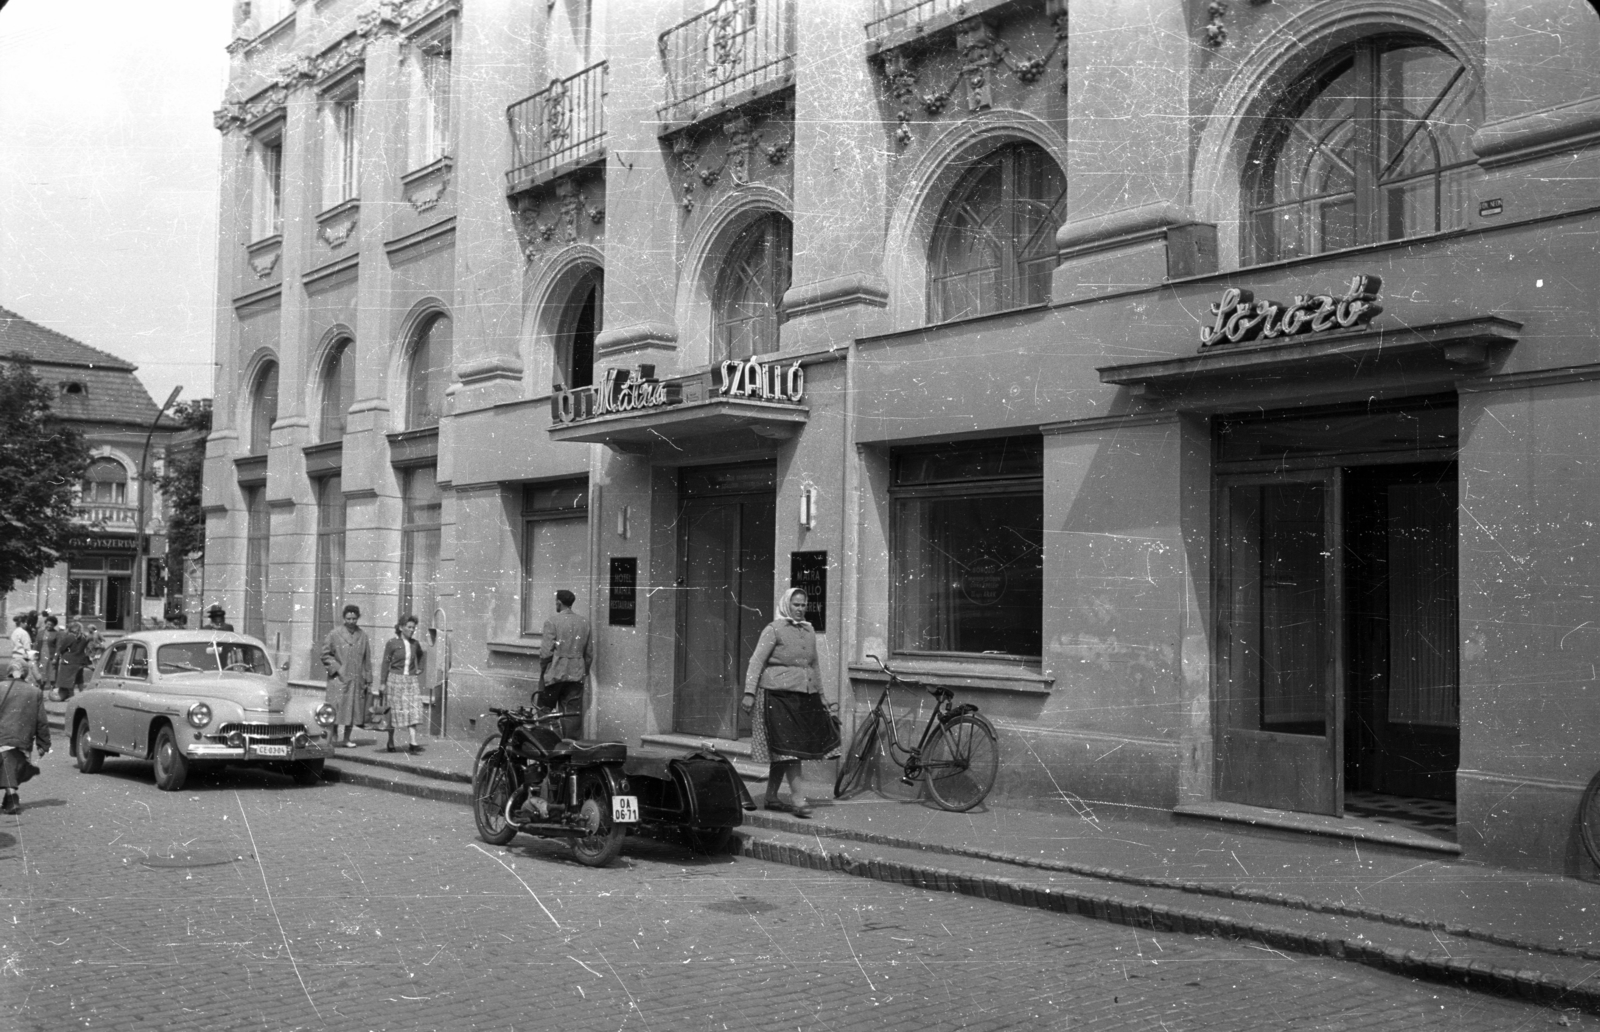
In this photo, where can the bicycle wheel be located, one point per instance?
(853, 769)
(960, 762)
(1589, 819)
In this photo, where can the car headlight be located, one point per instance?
(326, 715)
(199, 715)
(236, 739)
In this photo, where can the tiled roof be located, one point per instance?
(110, 392)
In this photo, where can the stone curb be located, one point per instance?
(443, 792)
(456, 777)
(1112, 874)
(1530, 985)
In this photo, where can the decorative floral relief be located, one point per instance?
(1215, 32)
(263, 264)
(745, 137)
(334, 234)
(982, 55)
(428, 195)
(555, 218)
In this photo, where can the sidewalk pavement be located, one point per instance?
(1419, 913)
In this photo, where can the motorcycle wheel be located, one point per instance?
(604, 840)
(492, 785)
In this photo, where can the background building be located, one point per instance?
(98, 394)
(676, 304)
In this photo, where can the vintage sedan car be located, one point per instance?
(180, 698)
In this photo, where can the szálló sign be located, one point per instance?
(1239, 317)
(767, 381)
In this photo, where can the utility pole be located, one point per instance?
(138, 529)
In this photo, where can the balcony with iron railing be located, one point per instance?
(730, 54)
(900, 22)
(560, 128)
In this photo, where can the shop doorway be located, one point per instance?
(726, 528)
(1338, 681)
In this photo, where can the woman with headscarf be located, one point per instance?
(783, 694)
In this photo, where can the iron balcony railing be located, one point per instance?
(733, 47)
(561, 123)
(107, 515)
(894, 15)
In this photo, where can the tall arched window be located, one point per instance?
(338, 390)
(1372, 145)
(995, 244)
(105, 482)
(580, 322)
(747, 304)
(263, 408)
(428, 373)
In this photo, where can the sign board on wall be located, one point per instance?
(624, 591)
(1238, 317)
(809, 570)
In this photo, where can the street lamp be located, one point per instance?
(138, 527)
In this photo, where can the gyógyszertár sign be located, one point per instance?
(1239, 317)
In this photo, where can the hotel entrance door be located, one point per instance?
(726, 526)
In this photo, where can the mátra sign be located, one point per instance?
(620, 390)
(1239, 317)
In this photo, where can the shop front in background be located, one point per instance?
(100, 582)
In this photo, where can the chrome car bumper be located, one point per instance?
(214, 751)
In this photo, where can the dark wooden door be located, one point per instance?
(726, 574)
(1279, 705)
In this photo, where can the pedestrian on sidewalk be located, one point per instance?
(72, 657)
(565, 656)
(347, 657)
(49, 638)
(400, 680)
(783, 694)
(22, 646)
(22, 724)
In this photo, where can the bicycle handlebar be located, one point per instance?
(938, 691)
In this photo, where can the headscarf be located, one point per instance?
(786, 608)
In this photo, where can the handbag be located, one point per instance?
(27, 773)
(799, 725)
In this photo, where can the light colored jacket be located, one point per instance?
(785, 659)
(22, 716)
(347, 658)
(568, 649)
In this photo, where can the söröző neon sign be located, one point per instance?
(1239, 317)
(767, 381)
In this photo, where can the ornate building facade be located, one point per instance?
(98, 395)
(1206, 390)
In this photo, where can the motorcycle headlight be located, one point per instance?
(199, 715)
(326, 715)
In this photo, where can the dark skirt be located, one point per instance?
(798, 726)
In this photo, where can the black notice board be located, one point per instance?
(809, 570)
(624, 591)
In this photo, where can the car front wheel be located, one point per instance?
(90, 759)
(172, 767)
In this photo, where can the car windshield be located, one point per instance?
(208, 657)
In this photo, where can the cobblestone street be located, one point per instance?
(245, 902)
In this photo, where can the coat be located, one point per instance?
(347, 657)
(568, 648)
(72, 655)
(22, 717)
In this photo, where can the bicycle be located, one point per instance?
(957, 756)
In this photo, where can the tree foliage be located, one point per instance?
(42, 461)
(183, 479)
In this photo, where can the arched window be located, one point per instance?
(580, 322)
(105, 482)
(428, 373)
(1372, 145)
(995, 244)
(263, 408)
(338, 389)
(747, 304)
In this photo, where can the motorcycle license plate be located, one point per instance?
(269, 750)
(625, 809)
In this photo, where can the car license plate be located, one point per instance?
(625, 809)
(269, 750)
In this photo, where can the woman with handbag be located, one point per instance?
(22, 725)
(783, 692)
(400, 681)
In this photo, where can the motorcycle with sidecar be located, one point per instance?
(529, 779)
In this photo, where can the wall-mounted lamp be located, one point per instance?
(622, 522)
(808, 505)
